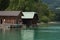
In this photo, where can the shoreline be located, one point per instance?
(48, 23)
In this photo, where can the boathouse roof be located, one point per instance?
(9, 13)
(28, 15)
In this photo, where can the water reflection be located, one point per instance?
(39, 33)
(10, 35)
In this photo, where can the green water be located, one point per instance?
(49, 32)
(10, 35)
(52, 32)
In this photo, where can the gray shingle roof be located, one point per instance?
(9, 13)
(28, 15)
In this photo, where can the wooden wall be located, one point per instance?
(9, 20)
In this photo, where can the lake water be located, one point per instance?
(47, 32)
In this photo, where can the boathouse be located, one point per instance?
(10, 17)
(30, 18)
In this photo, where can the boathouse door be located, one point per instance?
(0, 21)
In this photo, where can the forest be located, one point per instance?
(44, 13)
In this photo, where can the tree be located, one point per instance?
(4, 4)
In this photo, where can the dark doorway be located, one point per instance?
(0, 21)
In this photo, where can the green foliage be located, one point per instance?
(44, 19)
(51, 15)
(4, 4)
(44, 13)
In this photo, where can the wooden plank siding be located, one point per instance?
(11, 20)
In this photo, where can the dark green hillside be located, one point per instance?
(53, 4)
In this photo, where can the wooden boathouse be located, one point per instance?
(30, 18)
(10, 17)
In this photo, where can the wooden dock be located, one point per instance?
(8, 26)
